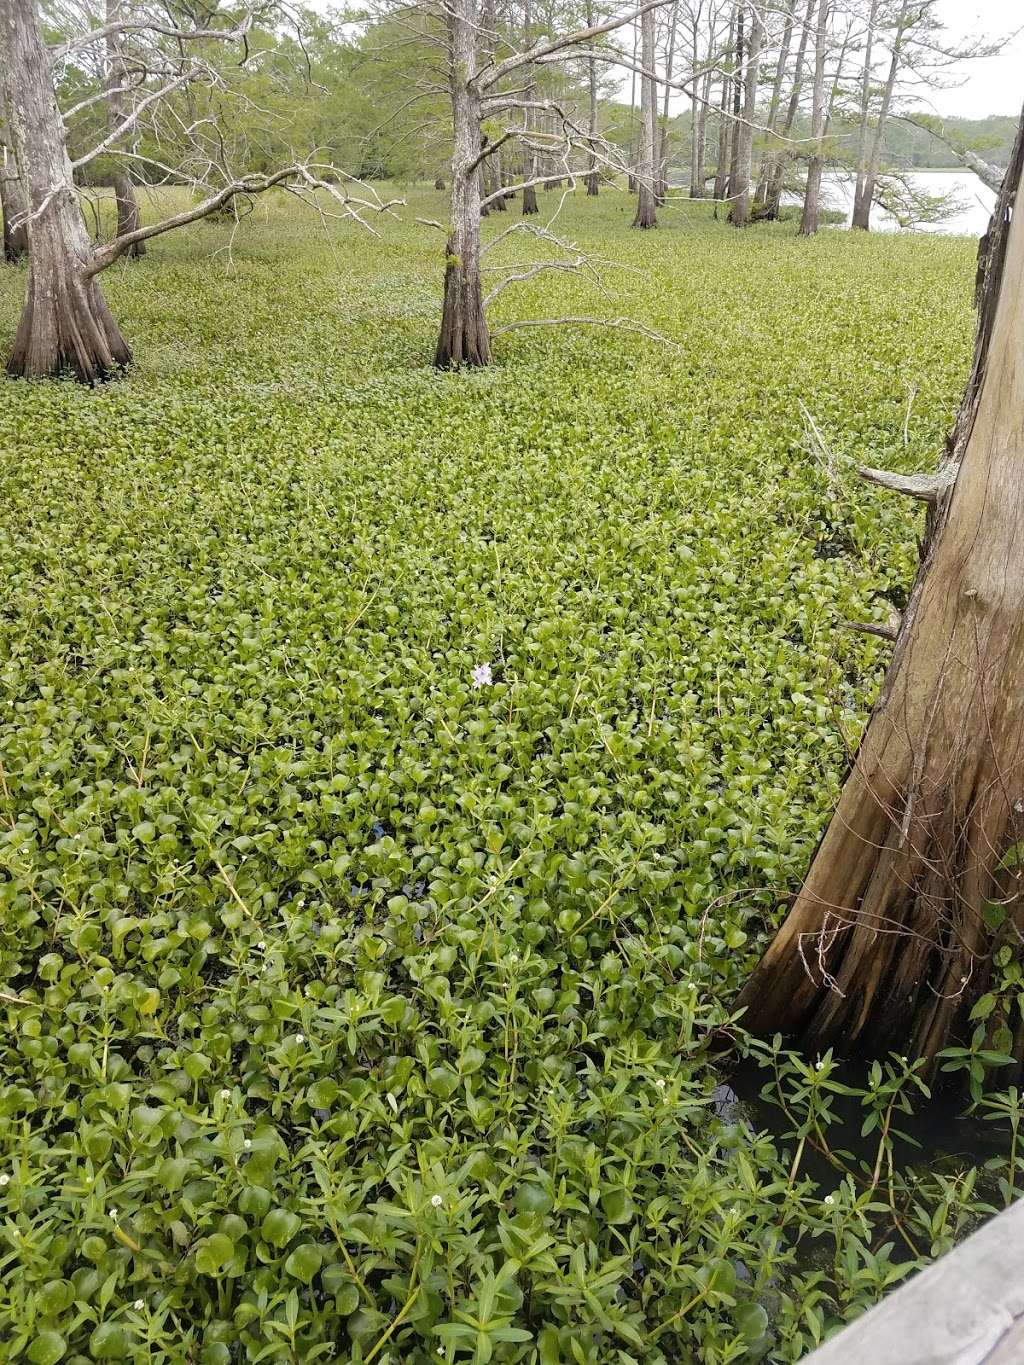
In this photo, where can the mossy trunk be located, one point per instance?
(917, 882)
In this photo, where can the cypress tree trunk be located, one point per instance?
(773, 194)
(728, 79)
(65, 324)
(865, 105)
(530, 206)
(661, 134)
(500, 206)
(128, 217)
(737, 105)
(917, 882)
(812, 195)
(865, 194)
(592, 177)
(767, 161)
(699, 130)
(14, 205)
(646, 216)
(464, 339)
(739, 214)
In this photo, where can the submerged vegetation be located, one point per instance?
(402, 771)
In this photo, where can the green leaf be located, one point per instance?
(751, 1321)
(279, 1227)
(47, 1348)
(214, 1253)
(304, 1262)
(617, 1206)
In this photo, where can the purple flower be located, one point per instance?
(482, 675)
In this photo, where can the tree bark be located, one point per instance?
(737, 104)
(530, 206)
(773, 195)
(464, 339)
(865, 103)
(699, 119)
(812, 194)
(865, 194)
(739, 214)
(646, 216)
(729, 76)
(65, 323)
(661, 192)
(128, 217)
(774, 106)
(917, 882)
(14, 207)
(701, 155)
(592, 177)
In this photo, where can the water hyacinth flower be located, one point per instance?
(482, 675)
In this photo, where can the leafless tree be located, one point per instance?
(66, 324)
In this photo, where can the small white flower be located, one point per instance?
(225, 1094)
(300, 1037)
(112, 1215)
(261, 945)
(830, 1199)
(436, 1200)
(139, 1305)
(819, 1065)
(513, 958)
(736, 1211)
(482, 675)
(5, 1179)
(248, 1143)
(660, 1082)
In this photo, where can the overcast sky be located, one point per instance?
(995, 85)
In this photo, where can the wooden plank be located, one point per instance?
(1010, 1350)
(966, 1309)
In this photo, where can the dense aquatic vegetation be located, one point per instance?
(400, 773)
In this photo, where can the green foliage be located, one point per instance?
(353, 1011)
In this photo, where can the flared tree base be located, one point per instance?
(464, 338)
(67, 329)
